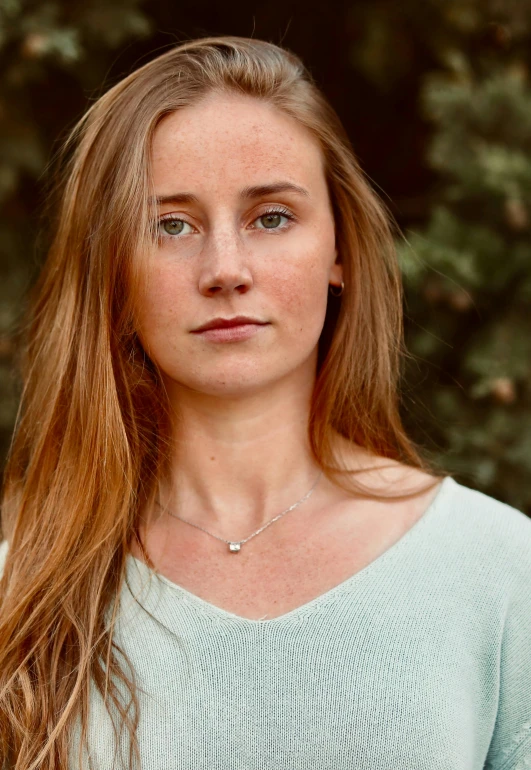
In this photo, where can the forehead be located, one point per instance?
(229, 137)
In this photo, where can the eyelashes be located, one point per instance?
(276, 211)
(171, 219)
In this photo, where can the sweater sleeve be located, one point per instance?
(510, 748)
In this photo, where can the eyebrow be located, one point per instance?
(254, 191)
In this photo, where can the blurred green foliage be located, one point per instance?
(436, 97)
(467, 269)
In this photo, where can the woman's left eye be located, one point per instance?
(272, 217)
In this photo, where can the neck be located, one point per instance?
(237, 464)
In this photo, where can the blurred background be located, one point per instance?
(436, 98)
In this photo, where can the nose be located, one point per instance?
(224, 265)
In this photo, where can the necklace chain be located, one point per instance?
(234, 545)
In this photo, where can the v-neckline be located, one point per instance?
(143, 571)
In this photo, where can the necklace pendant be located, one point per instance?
(234, 547)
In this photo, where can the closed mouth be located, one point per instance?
(226, 323)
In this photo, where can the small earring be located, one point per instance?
(336, 293)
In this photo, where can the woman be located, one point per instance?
(214, 343)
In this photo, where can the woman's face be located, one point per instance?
(229, 246)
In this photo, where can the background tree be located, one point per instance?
(468, 268)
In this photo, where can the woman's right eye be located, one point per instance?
(172, 226)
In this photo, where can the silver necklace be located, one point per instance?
(234, 545)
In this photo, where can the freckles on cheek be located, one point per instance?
(301, 296)
(287, 293)
(163, 297)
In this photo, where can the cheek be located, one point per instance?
(162, 303)
(300, 290)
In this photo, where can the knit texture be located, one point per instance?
(420, 661)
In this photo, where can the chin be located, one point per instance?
(234, 387)
(237, 379)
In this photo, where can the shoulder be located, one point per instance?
(495, 517)
(377, 474)
(487, 530)
(502, 531)
(482, 514)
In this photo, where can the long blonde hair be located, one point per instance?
(92, 433)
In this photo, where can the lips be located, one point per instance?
(227, 323)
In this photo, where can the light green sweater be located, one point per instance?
(420, 661)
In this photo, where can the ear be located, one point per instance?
(336, 272)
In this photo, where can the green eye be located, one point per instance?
(172, 226)
(270, 221)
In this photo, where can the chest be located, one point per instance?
(283, 569)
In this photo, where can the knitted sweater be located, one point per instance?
(420, 661)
